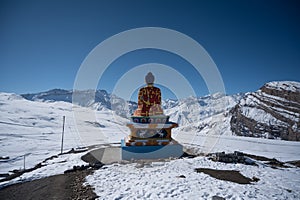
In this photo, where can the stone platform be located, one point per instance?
(147, 131)
(172, 150)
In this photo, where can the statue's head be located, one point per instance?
(149, 78)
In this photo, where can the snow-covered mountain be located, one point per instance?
(98, 100)
(186, 111)
(203, 114)
(271, 112)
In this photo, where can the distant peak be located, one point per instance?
(284, 85)
(57, 90)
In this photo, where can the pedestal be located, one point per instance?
(150, 138)
(172, 150)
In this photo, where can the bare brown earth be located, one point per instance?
(64, 186)
(227, 175)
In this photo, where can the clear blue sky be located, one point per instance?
(44, 42)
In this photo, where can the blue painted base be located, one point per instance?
(150, 152)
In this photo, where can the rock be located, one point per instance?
(217, 198)
(77, 168)
(236, 157)
(271, 112)
(4, 157)
(96, 165)
(255, 179)
(4, 175)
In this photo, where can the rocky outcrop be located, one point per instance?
(271, 112)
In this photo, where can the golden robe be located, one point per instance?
(149, 102)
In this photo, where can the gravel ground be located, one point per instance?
(64, 186)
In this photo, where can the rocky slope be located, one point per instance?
(271, 112)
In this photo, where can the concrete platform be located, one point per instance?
(107, 155)
(150, 152)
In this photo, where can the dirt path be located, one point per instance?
(64, 186)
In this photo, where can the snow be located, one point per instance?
(208, 143)
(200, 114)
(160, 180)
(281, 102)
(284, 85)
(34, 128)
(260, 115)
(57, 165)
(253, 103)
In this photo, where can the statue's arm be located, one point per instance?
(141, 98)
(158, 96)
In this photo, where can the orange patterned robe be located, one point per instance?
(149, 101)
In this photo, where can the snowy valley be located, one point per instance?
(31, 129)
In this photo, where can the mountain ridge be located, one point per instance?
(270, 112)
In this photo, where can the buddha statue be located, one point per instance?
(150, 129)
(149, 99)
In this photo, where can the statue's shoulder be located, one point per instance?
(149, 88)
(156, 88)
